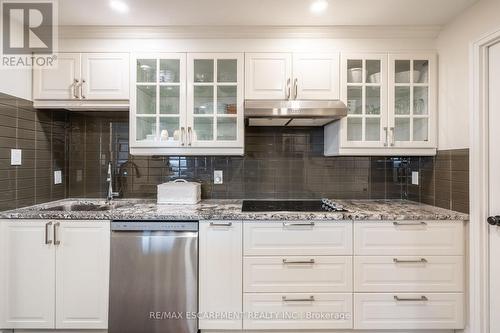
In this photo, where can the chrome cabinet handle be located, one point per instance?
(73, 88)
(309, 299)
(298, 224)
(310, 261)
(56, 228)
(416, 299)
(393, 142)
(399, 261)
(386, 143)
(190, 136)
(221, 224)
(47, 240)
(183, 136)
(82, 96)
(409, 223)
(288, 88)
(78, 90)
(296, 87)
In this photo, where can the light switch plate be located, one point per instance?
(57, 177)
(218, 177)
(414, 177)
(16, 157)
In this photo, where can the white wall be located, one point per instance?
(16, 82)
(454, 73)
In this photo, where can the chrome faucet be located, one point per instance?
(111, 195)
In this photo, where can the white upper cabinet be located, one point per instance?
(215, 100)
(291, 76)
(315, 76)
(268, 75)
(391, 102)
(187, 104)
(412, 100)
(59, 83)
(83, 81)
(105, 76)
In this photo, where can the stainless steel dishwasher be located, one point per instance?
(154, 277)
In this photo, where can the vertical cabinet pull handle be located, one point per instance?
(183, 136)
(56, 229)
(386, 143)
(393, 132)
(296, 85)
(73, 88)
(81, 89)
(190, 136)
(288, 88)
(47, 240)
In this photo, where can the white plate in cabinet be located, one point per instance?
(297, 238)
(409, 274)
(297, 274)
(292, 311)
(409, 311)
(409, 238)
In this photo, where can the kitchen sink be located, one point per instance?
(83, 207)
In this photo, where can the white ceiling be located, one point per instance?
(261, 12)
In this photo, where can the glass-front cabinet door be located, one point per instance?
(215, 100)
(412, 100)
(364, 90)
(158, 100)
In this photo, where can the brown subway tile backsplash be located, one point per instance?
(42, 137)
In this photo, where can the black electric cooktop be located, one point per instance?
(290, 206)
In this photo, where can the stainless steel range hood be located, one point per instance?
(293, 112)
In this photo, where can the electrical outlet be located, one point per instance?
(414, 177)
(57, 177)
(218, 177)
(16, 157)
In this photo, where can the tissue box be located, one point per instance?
(179, 191)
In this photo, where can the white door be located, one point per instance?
(221, 273)
(364, 90)
(27, 275)
(105, 76)
(268, 75)
(215, 100)
(315, 76)
(158, 100)
(412, 100)
(59, 83)
(494, 181)
(82, 275)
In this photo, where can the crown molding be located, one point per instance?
(247, 32)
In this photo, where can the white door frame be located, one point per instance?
(478, 316)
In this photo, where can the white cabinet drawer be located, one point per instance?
(408, 238)
(409, 274)
(293, 311)
(427, 311)
(297, 274)
(297, 238)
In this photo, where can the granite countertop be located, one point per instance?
(140, 209)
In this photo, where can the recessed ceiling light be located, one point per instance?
(118, 6)
(318, 6)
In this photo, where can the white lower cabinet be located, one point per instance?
(297, 311)
(297, 238)
(409, 274)
(55, 274)
(296, 274)
(409, 311)
(220, 275)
